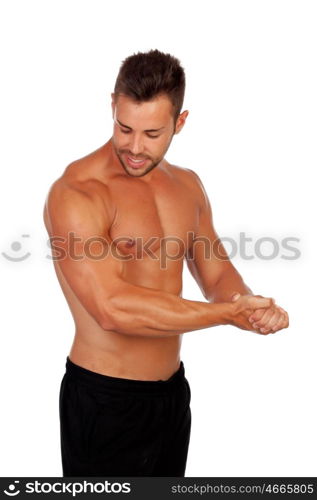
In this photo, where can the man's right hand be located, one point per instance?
(243, 307)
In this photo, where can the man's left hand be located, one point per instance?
(268, 320)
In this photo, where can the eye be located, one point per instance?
(125, 131)
(153, 136)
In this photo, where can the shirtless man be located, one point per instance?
(122, 220)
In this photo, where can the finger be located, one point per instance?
(261, 296)
(286, 318)
(257, 315)
(235, 297)
(257, 302)
(282, 310)
(272, 322)
(265, 318)
(286, 321)
(280, 324)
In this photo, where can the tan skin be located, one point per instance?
(127, 303)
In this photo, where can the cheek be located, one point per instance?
(155, 152)
(117, 137)
(120, 141)
(158, 147)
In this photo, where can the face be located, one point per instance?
(143, 132)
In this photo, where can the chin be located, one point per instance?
(138, 172)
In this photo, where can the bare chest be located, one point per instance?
(151, 221)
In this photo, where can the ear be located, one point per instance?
(180, 122)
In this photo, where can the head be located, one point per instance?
(146, 106)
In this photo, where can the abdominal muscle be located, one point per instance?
(120, 355)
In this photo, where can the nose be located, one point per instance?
(136, 145)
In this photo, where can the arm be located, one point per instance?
(227, 285)
(208, 260)
(217, 277)
(99, 283)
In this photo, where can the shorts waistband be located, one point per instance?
(114, 383)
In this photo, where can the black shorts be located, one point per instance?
(120, 427)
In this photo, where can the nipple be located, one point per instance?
(130, 243)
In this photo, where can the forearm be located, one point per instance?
(230, 282)
(144, 311)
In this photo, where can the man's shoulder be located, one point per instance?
(83, 172)
(74, 193)
(187, 174)
(67, 189)
(79, 178)
(193, 183)
(189, 177)
(70, 206)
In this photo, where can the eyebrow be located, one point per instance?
(147, 130)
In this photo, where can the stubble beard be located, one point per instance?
(153, 164)
(137, 173)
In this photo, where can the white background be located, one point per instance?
(250, 135)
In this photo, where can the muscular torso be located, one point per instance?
(153, 223)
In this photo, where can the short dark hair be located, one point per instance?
(146, 75)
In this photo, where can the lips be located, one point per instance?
(136, 163)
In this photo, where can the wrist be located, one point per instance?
(225, 312)
(229, 313)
